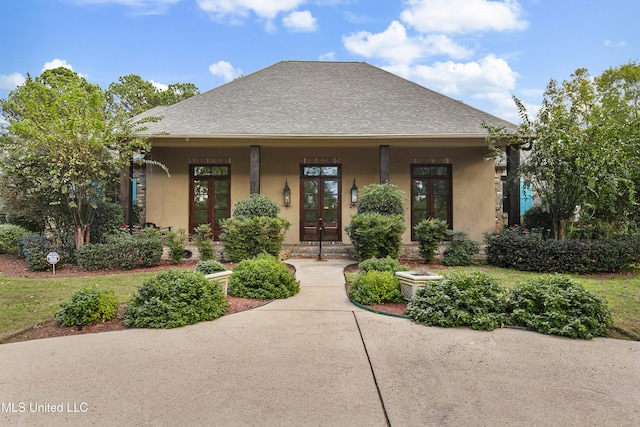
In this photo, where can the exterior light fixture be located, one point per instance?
(286, 193)
(354, 193)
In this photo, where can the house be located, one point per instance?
(319, 131)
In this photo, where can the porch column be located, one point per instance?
(254, 170)
(384, 164)
(513, 184)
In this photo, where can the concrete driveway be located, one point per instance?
(316, 360)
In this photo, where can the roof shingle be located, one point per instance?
(303, 98)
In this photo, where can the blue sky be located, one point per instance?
(479, 51)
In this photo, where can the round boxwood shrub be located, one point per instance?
(209, 266)
(557, 305)
(88, 305)
(381, 264)
(175, 298)
(263, 277)
(375, 287)
(472, 299)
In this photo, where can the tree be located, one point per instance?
(62, 148)
(583, 147)
(132, 95)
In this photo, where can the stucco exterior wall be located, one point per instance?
(167, 199)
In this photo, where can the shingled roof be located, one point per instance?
(332, 99)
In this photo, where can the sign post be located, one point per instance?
(53, 258)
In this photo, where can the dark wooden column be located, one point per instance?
(513, 184)
(254, 170)
(384, 164)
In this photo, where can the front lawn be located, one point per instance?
(25, 302)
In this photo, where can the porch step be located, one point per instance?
(330, 250)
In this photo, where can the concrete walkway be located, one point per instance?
(316, 360)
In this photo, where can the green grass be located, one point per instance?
(622, 292)
(28, 302)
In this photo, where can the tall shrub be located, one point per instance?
(374, 235)
(376, 229)
(384, 199)
(254, 228)
(256, 205)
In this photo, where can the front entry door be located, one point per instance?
(320, 203)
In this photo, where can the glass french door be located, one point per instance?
(210, 196)
(431, 194)
(320, 204)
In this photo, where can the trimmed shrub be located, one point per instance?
(88, 305)
(520, 250)
(256, 205)
(374, 235)
(384, 199)
(430, 233)
(102, 256)
(149, 250)
(557, 305)
(121, 250)
(462, 299)
(175, 298)
(263, 277)
(460, 250)
(34, 249)
(176, 240)
(375, 287)
(381, 264)
(209, 266)
(9, 235)
(203, 241)
(245, 238)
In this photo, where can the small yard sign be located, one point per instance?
(53, 258)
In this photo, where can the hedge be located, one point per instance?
(519, 250)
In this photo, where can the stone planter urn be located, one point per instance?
(410, 281)
(222, 277)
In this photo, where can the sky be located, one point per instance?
(481, 52)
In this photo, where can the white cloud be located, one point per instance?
(225, 70)
(329, 56)
(11, 81)
(490, 80)
(56, 63)
(395, 46)
(159, 86)
(463, 16)
(150, 7)
(611, 43)
(489, 75)
(300, 21)
(240, 9)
